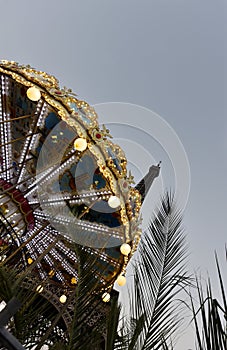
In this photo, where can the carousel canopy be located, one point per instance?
(63, 181)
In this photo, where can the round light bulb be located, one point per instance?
(30, 261)
(106, 297)
(125, 249)
(39, 289)
(63, 298)
(34, 94)
(114, 202)
(121, 280)
(80, 144)
(73, 280)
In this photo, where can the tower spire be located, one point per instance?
(144, 185)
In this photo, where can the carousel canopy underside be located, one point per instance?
(62, 182)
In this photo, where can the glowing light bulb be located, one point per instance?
(121, 280)
(80, 144)
(114, 202)
(39, 289)
(106, 297)
(34, 94)
(63, 298)
(30, 261)
(73, 280)
(125, 249)
(51, 273)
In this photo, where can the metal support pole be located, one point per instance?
(6, 338)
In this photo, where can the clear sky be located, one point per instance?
(166, 55)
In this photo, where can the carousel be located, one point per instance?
(64, 184)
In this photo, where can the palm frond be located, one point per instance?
(113, 339)
(36, 323)
(88, 304)
(210, 319)
(159, 274)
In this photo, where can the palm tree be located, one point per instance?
(158, 276)
(153, 317)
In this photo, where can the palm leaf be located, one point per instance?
(210, 319)
(159, 275)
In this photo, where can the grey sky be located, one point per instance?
(166, 55)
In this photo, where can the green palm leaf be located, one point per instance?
(159, 275)
(210, 319)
